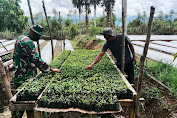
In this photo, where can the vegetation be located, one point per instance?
(12, 16)
(162, 24)
(57, 62)
(32, 87)
(89, 90)
(14, 22)
(175, 56)
(164, 73)
(95, 90)
(85, 40)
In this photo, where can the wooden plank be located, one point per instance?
(131, 112)
(7, 63)
(158, 83)
(37, 114)
(126, 102)
(125, 80)
(14, 98)
(90, 116)
(21, 107)
(45, 89)
(56, 110)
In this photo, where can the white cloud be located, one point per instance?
(133, 7)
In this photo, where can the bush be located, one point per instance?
(8, 34)
(73, 30)
(95, 30)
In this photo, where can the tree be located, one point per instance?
(171, 19)
(12, 16)
(69, 13)
(134, 26)
(87, 11)
(109, 4)
(38, 16)
(67, 22)
(95, 3)
(78, 4)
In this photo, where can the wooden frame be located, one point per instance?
(127, 102)
(31, 105)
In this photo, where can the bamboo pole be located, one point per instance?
(80, 23)
(48, 28)
(5, 81)
(142, 59)
(62, 33)
(124, 18)
(33, 24)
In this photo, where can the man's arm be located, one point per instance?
(97, 59)
(133, 52)
(34, 58)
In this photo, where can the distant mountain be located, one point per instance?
(129, 19)
(74, 20)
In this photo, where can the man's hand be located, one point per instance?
(89, 67)
(55, 70)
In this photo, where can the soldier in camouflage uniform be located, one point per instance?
(25, 57)
(26, 60)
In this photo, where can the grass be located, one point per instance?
(8, 34)
(164, 73)
(77, 43)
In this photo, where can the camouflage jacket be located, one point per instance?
(26, 60)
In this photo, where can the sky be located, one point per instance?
(133, 7)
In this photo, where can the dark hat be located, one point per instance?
(37, 29)
(107, 31)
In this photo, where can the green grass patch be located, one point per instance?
(164, 73)
(84, 40)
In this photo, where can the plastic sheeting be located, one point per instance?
(68, 45)
(6, 42)
(158, 56)
(157, 47)
(46, 52)
(153, 37)
(165, 43)
(40, 41)
(9, 47)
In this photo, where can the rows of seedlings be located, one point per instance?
(57, 62)
(6, 57)
(32, 88)
(93, 90)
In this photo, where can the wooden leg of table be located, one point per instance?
(91, 116)
(131, 112)
(13, 113)
(37, 114)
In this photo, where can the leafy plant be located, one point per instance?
(81, 88)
